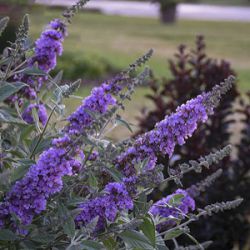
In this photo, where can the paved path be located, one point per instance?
(147, 9)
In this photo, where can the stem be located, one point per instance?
(10, 65)
(14, 72)
(41, 135)
(185, 223)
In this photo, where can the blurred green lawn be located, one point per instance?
(226, 2)
(214, 2)
(121, 39)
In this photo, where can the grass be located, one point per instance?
(121, 39)
(215, 2)
(226, 2)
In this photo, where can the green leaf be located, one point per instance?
(148, 228)
(25, 132)
(7, 89)
(114, 173)
(110, 243)
(92, 180)
(28, 244)
(176, 200)
(173, 234)
(91, 245)
(69, 226)
(21, 170)
(141, 204)
(8, 118)
(160, 243)
(58, 78)
(26, 22)
(137, 240)
(43, 144)
(43, 237)
(7, 235)
(3, 24)
(34, 71)
(124, 123)
(67, 221)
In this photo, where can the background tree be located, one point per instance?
(168, 9)
(193, 72)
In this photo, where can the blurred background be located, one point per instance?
(205, 41)
(108, 35)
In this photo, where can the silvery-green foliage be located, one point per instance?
(63, 181)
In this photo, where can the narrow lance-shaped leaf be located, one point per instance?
(8, 89)
(3, 24)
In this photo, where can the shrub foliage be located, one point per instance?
(193, 72)
(64, 184)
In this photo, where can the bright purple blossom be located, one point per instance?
(29, 195)
(62, 141)
(162, 208)
(131, 184)
(98, 102)
(106, 207)
(93, 156)
(49, 46)
(173, 130)
(41, 111)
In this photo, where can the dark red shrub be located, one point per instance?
(193, 72)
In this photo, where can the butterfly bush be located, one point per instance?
(71, 182)
(106, 207)
(45, 177)
(172, 131)
(41, 111)
(46, 50)
(164, 209)
(98, 102)
(49, 46)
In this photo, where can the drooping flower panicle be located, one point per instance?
(164, 209)
(29, 195)
(106, 207)
(171, 131)
(49, 46)
(41, 111)
(98, 102)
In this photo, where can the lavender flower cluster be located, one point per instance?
(98, 102)
(173, 130)
(29, 195)
(106, 207)
(164, 209)
(41, 111)
(49, 45)
(47, 48)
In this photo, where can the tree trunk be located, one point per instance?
(168, 13)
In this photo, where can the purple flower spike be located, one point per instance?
(41, 111)
(106, 207)
(161, 208)
(173, 130)
(98, 102)
(29, 195)
(49, 45)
